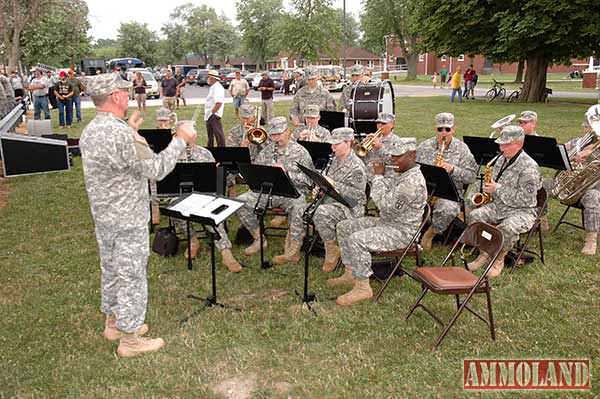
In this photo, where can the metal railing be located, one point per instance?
(11, 120)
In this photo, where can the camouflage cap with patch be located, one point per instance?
(402, 146)
(105, 83)
(163, 114)
(527, 116)
(510, 133)
(277, 125)
(357, 70)
(312, 111)
(341, 134)
(247, 110)
(444, 119)
(385, 117)
(312, 73)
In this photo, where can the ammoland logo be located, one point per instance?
(525, 374)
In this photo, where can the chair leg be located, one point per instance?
(489, 306)
(417, 303)
(541, 247)
(457, 301)
(388, 279)
(560, 221)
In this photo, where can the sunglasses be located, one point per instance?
(523, 122)
(444, 129)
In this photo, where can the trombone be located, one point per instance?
(363, 148)
(256, 134)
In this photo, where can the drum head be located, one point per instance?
(368, 100)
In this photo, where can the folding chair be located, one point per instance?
(413, 249)
(522, 247)
(450, 280)
(562, 221)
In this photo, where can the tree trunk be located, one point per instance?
(14, 49)
(520, 67)
(535, 79)
(411, 60)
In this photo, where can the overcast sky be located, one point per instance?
(106, 15)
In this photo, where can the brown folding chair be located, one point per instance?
(562, 221)
(412, 249)
(451, 280)
(522, 247)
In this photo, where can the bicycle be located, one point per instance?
(514, 96)
(497, 90)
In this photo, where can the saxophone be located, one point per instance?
(438, 161)
(482, 198)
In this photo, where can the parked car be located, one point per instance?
(202, 77)
(151, 83)
(250, 77)
(191, 76)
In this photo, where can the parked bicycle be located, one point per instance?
(515, 95)
(497, 91)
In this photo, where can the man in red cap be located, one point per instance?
(64, 96)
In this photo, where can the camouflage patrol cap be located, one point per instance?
(312, 73)
(402, 146)
(357, 70)
(384, 117)
(247, 110)
(340, 135)
(527, 116)
(299, 71)
(277, 125)
(163, 114)
(312, 111)
(510, 134)
(106, 83)
(444, 119)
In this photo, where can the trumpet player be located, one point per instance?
(348, 175)
(237, 135)
(513, 186)
(311, 130)
(283, 153)
(378, 153)
(446, 151)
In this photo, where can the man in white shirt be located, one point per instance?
(39, 90)
(213, 110)
(238, 89)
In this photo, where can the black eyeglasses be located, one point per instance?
(444, 129)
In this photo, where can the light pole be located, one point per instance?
(344, 36)
(385, 63)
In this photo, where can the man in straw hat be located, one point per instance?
(213, 110)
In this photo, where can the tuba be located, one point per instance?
(363, 148)
(570, 185)
(256, 134)
(501, 123)
(482, 198)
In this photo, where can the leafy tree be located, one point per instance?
(257, 19)
(541, 32)
(352, 32)
(137, 40)
(16, 15)
(175, 45)
(105, 49)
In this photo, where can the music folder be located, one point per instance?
(188, 177)
(319, 152)
(206, 209)
(157, 139)
(333, 119)
(261, 177)
(547, 152)
(327, 188)
(439, 183)
(484, 149)
(230, 157)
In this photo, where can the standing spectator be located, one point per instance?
(213, 110)
(468, 76)
(78, 88)
(168, 91)
(455, 85)
(39, 90)
(139, 90)
(474, 83)
(180, 77)
(238, 89)
(64, 95)
(17, 84)
(286, 78)
(299, 81)
(443, 75)
(266, 86)
(51, 83)
(435, 80)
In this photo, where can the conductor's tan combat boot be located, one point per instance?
(278, 221)
(291, 254)
(112, 333)
(498, 265)
(481, 260)
(332, 255)
(589, 248)
(427, 240)
(230, 262)
(361, 292)
(344, 279)
(132, 345)
(193, 249)
(255, 246)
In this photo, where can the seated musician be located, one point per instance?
(163, 118)
(385, 122)
(311, 130)
(283, 153)
(450, 153)
(528, 120)
(401, 197)
(514, 184)
(237, 135)
(349, 177)
(356, 78)
(583, 152)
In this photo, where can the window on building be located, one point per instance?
(443, 58)
(421, 58)
(461, 57)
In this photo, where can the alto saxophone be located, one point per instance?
(438, 161)
(482, 198)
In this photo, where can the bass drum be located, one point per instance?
(368, 100)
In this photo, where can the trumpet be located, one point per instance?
(363, 148)
(482, 198)
(501, 123)
(256, 134)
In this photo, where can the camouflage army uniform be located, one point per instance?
(380, 155)
(465, 172)
(401, 200)
(116, 184)
(305, 96)
(346, 97)
(513, 206)
(287, 157)
(321, 134)
(350, 179)
(236, 137)
(4, 107)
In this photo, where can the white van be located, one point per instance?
(151, 91)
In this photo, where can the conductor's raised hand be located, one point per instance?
(186, 131)
(135, 120)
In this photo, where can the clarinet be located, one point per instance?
(328, 164)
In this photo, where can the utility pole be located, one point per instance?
(344, 36)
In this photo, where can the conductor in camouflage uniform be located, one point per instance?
(311, 130)
(356, 76)
(515, 182)
(311, 94)
(401, 198)
(283, 153)
(379, 152)
(349, 177)
(117, 164)
(457, 160)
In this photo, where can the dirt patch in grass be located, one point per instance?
(282, 387)
(240, 387)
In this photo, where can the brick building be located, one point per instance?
(354, 55)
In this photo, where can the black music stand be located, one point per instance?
(267, 181)
(439, 183)
(230, 157)
(210, 211)
(157, 139)
(319, 152)
(325, 189)
(482, 148)
(333, 119)
(547, 152)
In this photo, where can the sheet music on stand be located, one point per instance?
(202, 206)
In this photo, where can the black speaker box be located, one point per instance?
(25, 155)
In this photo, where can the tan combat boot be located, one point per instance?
(291, 254)
(481, 260)
(544, 224)
(112, 333)
(278, 221)
(498, 265)
(255, 246)
(132, 345)
(589, 248)
(344, 279)
(229, 261)
(361, 292)
(193, 248)
(332, 255)
(427, 240)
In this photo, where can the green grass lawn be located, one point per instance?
(50, 327)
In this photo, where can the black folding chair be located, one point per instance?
(451, 280)
(523, 247)
(412, 249)
(562, 221)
